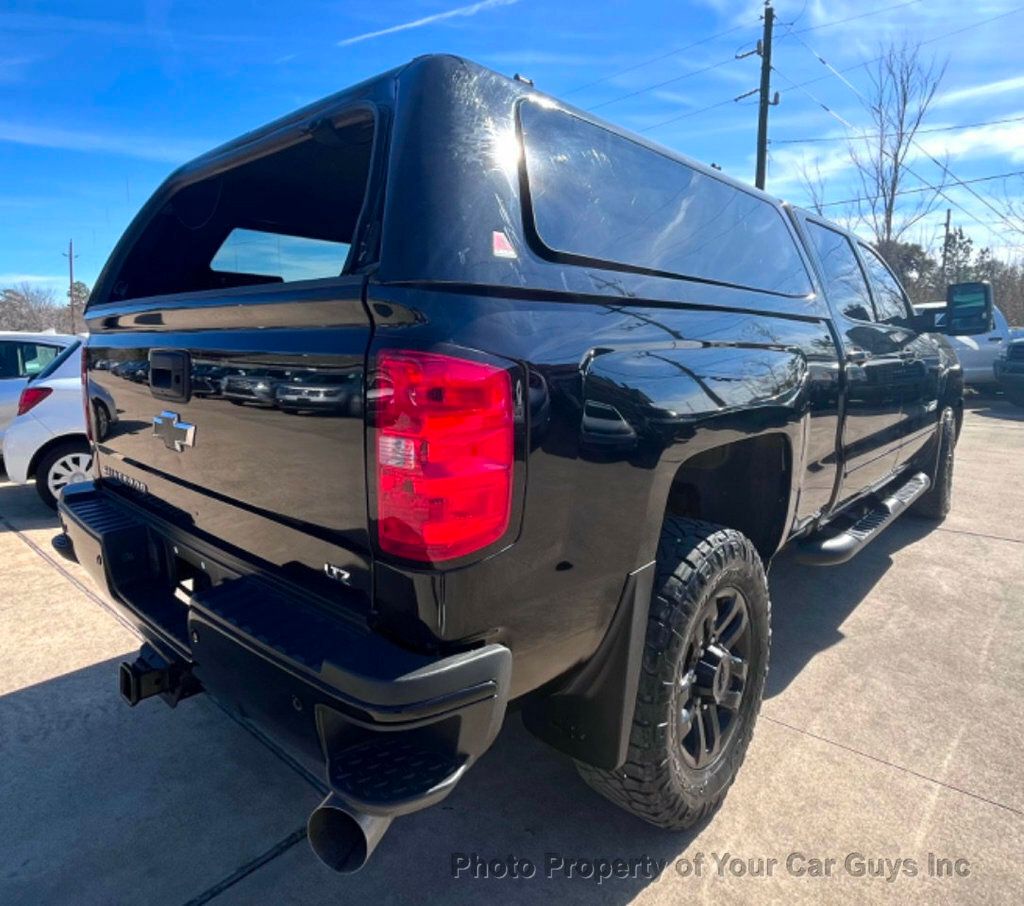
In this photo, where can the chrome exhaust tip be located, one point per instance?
(344, 839)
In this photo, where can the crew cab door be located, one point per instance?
(872, 425)
(919, 370)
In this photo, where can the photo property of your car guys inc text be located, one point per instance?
(481, 452)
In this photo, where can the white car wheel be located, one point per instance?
(66, 464)
(70, 469)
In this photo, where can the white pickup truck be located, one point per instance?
(978, 353)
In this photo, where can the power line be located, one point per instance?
(843, 138)
(683, 116)
(800, 85)
(658, 59)
(949, 173)
(673, 80)
(848, 125)
(932, 40)
(919, 189)
(873, 12)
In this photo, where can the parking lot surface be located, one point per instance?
(892, 730)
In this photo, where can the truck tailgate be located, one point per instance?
(263, 450)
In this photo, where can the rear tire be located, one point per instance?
(66, 463)
(936, 501)
(101, 418)
(702, 679)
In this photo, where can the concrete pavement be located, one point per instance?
(892, 729)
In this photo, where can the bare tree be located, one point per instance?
(27, 307)
(903, 87)
(1013, 208)
(813, 182)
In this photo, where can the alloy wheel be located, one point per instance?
(713, 678)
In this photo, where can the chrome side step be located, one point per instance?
(831, 550)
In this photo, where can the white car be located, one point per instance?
(22, 356)
(977, 354)
(47, 440)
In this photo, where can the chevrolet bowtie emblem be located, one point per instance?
(175, 434)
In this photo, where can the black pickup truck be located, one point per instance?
(554, 399)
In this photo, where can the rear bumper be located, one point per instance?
(23, 438)
(396, 729)
(1009, 373)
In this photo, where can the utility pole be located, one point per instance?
(764, 101)
(945, 244)
(70, 255)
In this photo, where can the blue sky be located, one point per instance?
(99, 101)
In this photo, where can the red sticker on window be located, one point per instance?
(501, 246)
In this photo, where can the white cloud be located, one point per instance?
(15, 69)
(548, 58)
(45, 281)
(470, 10)
(999, 140)
(974, 92)
(159, 149)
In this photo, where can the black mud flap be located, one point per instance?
(590, 714)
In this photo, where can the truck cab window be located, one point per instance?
(279, 256)
(846, 287)
(890, 302)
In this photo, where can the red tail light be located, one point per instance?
(444, 454)
(32, 397)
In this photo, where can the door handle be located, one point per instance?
(170, 374)
(995, 339)
(857, 356)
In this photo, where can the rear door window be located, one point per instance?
(601, 197)
(8, 359)
(19, 359)
(845, 285)
(56, 362)
(890, 303)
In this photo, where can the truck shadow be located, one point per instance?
(809, 604)
(87, 781)
(997, 407)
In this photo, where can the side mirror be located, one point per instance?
(968, 309)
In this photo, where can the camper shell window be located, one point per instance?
(284, 216)
(599, 197)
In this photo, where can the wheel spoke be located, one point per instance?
(702, 740)
(686, 682)
(711, 718)
(731, 605)
(686, 716)
(732, 630)
(738, 668)
(731, 700)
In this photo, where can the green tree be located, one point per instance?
(959, 256)
(78, 295)
(916, 268)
